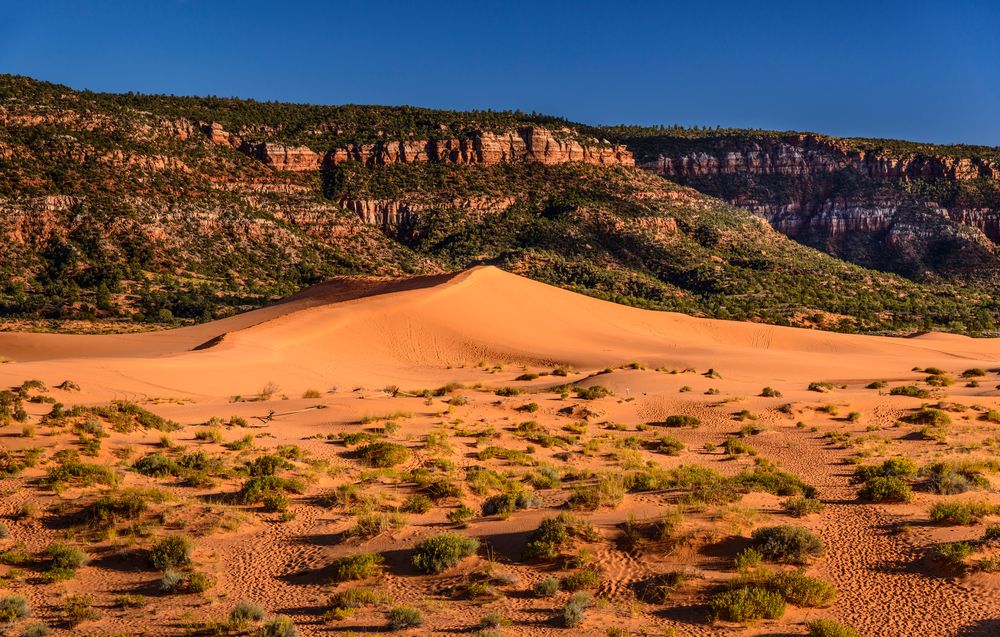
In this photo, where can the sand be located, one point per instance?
(350, 339)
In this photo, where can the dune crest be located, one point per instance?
(426, 329)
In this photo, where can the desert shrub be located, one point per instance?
(443, 551)
(877, 384)
(355, 567)
(461, 515)
(171, 552)
(507, 391)
(952, 554)
(575, 610)
(951, 478)
(280, 626)
(402, 617)
(891, 489)
(609, 490)
(417, 503)
(658, 588)
(681, 420)
(505, 504)
(770, 392)
(785, 543)
(747, 559)
(13, 608)
(909, 390)
(383, 454)
(109, 509)
(939, 380)
(746, 604)
(766, 477)
(552, 535)
(928, 416)
(70, 471)
(593, 392)
(35, 629)
(275, 502)
(734, 446)
(669, 445)
(829, 628)
(580, 580)
(820, 386)
(156, 465)
(964, 513)
(209, 434)
(369, 525)
(548, 587)
(974, 372)
(801, 507)
(79, 609)
(245, 613)
(801, 590)
(64, 560)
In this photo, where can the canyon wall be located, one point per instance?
(852, 202)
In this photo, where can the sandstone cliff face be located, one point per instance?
(852, 203)
(532, 144)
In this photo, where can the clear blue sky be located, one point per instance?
(911, 69)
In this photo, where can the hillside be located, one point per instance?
(153, 209)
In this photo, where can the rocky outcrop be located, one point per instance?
(390, 216)
(282, 157)
(531, 143)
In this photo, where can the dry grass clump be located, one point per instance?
(384, 454)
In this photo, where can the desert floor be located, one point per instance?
(492, 384)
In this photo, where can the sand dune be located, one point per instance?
(424, 330)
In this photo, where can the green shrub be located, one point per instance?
(507, 391)
(829, 628)
(383, 454)
(575, 611)
(669, 445)
(608, 491)
(171, 552)
(893, 467)
(280, 626)
(928, 416)
(355, 567)
(156, 465)
(799, 589)
(580, 580)
(552, 534)
(681, 420)
(964, 513)
(35, 629)
(65, 558)
(79, 609)
(785, 543)
(879, 489)
(505, 504)
(461, 515)
(820, 387)
(110, 509)
(801, 507)
(548, 587)
(13, 608)
(245, 613)
(746, 604)
(952, 554)
(593, 392)
(417, 503)
(909, 390)
(403, 617)
(369, 525)
(443, 551)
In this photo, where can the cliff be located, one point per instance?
(922, 213)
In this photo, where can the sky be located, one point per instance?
(918, 70)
